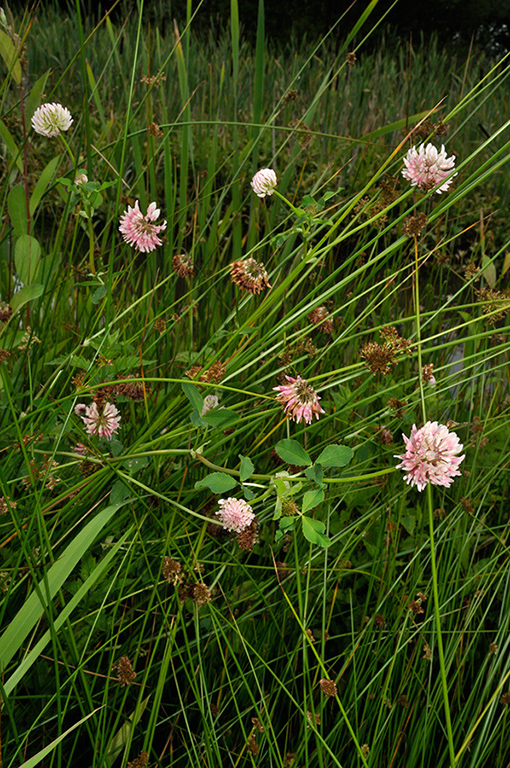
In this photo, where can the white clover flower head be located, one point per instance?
(210, 402)
(264, 182)
(427, 168)
(235, 514)
(81, 178)
(431, 456)
(51, 119)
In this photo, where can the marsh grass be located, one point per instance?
(408, 608)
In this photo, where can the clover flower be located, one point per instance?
(210, 402)
(235, 514)
(104, 424)
(51, 119)
(249, 275)
(299, 398)
(431, 456)
(264, 182)
(426, 168)
(140, 231)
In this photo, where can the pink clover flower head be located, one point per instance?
(51, 119)
(104, 424)
(140, 231)
(299, 398)
(264, 182)
(431, 456)
(235, 514)
(426, 168)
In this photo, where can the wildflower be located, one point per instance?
(201, 594)
(140, 231)
(431, 456)
(182, 265)
(125, 672)
(264, 182)
(104, 424)
(427, 168)
(249, 275)
(81, 178)
(235, 514)
(210, 402)
(328, 687)
(51, 119)
(321, 317)
(380, 358)
(414, 225)
(300, 399)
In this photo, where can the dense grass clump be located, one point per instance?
(208, 553)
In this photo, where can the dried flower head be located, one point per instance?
(431, 456)
(182, 265)
(201, 594)
(300, 400)
(291, 95)
(213, 374)
(171, 570)
(235, 514)
(505, 699)
(380, 358)
(351, 58)
(427, 169)
(51, 119)
(5, 312)
(495, 303)
(414, 225)
(140, 231)
(6, 505)
(328, 687)
(264, 182)
(139, 762)
(125, 671)
(104, 423)
(321, 317)
(249, 275)
(427, 373)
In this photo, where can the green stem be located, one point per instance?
(418, 328)
(437, 616)
(91, 247)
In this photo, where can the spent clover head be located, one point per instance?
(427, 168)
(299, 399)
(264, 182)
(141, 231)
(51, 119)
(431, 456)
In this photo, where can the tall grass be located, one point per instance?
(407, 609)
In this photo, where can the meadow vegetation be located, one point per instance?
(339, 616)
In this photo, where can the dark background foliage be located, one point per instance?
(487, 22)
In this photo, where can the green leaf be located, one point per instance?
(11, 145)
(34, 606)
(489, 271)
(34, 97)
(315, 473)
(312, 499)
(220, 418)
(293, 453)
(27, 257)
(335, 456)
(313, 531)
(135, 465)
(288, 523)
(43, 183)
(17, 207)
(28, 293)
(247, 468)
(36, 759)
(11, 56)
(191, 392)
(99, 294)
(217, 482)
